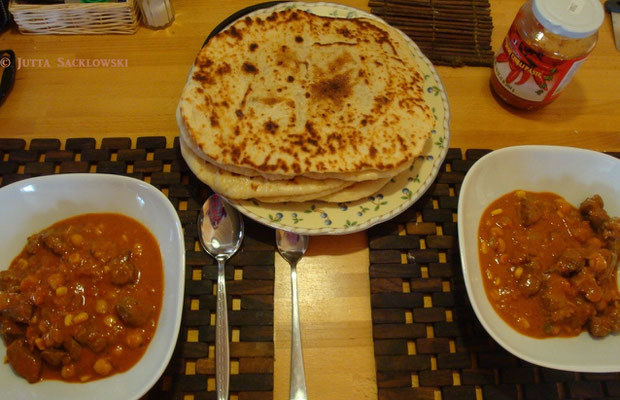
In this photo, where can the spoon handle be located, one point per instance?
(298, 377)
(222, 357)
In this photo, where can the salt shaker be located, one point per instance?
(157, 13)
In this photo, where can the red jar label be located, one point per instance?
(529, 74)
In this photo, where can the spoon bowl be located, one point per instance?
(220, 230)
(292, 247)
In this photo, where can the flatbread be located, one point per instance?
(295, 94)
(234, 186)
(358, 190)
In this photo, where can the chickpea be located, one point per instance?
(117, 350)
(102, 367)
(74, 258)
(67, 371)
(110, 320)
(77, 239)
(134, 339)
(101, 306)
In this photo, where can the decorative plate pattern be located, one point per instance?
(320, 218)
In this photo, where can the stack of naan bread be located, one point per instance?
(292, 106)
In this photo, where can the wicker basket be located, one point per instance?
(76, 18)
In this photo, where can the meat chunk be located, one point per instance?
(55, 357)
(122, 270)
(570, 261)
(10, 330)
(54, 240)
(17, 309)
(73, 348)
(529, 211)
(9, 280)
(23, 361)
(592, 210)
(89, 336)
(529, 283)
(132, 312)
(606, 323)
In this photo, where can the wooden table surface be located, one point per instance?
(139, 99)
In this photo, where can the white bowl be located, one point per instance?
(32, 205)
(572, 173)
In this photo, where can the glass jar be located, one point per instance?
(157, 14)
(546, 44)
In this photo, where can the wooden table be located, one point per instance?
(140, 99)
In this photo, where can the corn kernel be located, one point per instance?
(84, 378)
(40, 344)
(497, 281)
(497, 211)
(22, 263)
(518, 272)
(497, 231)
(101, 306)
(81, 317)
(501, 245)
(61, 291)
(520, 194)
(68, 320)
(484, 248)
(523, 322)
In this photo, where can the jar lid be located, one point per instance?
(570, 18)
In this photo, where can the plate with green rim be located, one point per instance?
(320, 218)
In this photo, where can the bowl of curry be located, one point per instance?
(539, 238)
(91, 286)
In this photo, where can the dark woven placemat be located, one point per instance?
(428, 342)
(449, 32)
(250, 273)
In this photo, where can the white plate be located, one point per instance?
(572, 173)
(32, 205)
(319, 218)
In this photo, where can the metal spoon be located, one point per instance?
(292, 247)
(220, 229)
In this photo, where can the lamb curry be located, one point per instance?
(82, 299)
(550, 269)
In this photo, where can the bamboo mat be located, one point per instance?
(428, 341)
(250, 273)
(449, 32)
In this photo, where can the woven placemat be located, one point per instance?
(428, 342)
(250, 273)
(449, 32)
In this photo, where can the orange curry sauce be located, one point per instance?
(549, 269)
(82, 299)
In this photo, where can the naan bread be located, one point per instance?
(294, 94)
(234, 186)
(358, 190)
